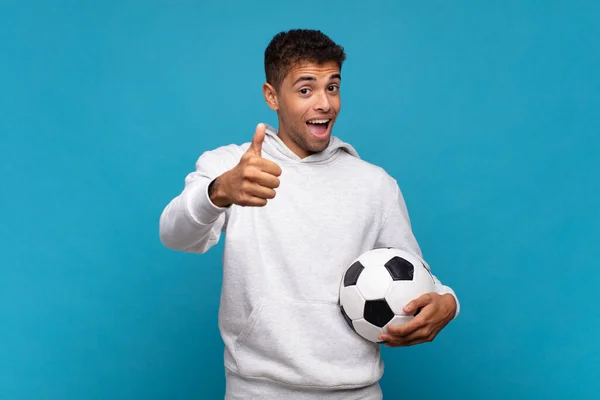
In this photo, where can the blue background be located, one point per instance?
(487, 114)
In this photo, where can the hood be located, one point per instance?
(274, 146)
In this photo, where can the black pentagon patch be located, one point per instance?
(346, 317)
(378, 312)
(353, 273)
(400, 269)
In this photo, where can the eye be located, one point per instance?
(333, 88)
(304, 91)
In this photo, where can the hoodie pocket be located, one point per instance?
(305, 344)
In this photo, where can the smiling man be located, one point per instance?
(304, 92)
(297, 205)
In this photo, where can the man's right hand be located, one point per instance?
(252, 181)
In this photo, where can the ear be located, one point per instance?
(270, 96)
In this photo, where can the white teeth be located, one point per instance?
(318, 121)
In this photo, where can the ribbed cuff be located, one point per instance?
(200, 208)
(439, 287)
(443, 289)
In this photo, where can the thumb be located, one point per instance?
(258, 139)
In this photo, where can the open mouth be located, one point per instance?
(319, 127)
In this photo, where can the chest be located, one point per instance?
(305, 237)
(316, 209)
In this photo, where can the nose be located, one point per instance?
(322, 102)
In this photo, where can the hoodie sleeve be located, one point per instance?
(396, 232)
(191, 222)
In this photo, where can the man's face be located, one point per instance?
(308, 102)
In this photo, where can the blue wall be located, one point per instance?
(488, 116)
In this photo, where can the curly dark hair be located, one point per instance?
(299, 45)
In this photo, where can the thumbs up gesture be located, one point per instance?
(252, 181)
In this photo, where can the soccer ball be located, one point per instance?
(376, 287)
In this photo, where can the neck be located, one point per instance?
(286, 138)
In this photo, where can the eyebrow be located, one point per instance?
(312, 78)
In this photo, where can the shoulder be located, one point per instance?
(371, 174)
(226, 152)
(223, 157)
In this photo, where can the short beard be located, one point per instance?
(302, 142)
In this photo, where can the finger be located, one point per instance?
(391, 341)
(416, 323)
(407, 328)
(258, 139)
(421, 335)
(265, 179)
(419, 340)
(395, 344)
(253, 201)
(256, 190)
(418, 303)
(386, 338)
(404, 343)
(267, 166)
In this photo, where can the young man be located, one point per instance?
(297, 206)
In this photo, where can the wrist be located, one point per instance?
(450, 303)
(217, 194)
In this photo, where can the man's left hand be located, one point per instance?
(436, 311)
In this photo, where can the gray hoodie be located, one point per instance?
(282, 265)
